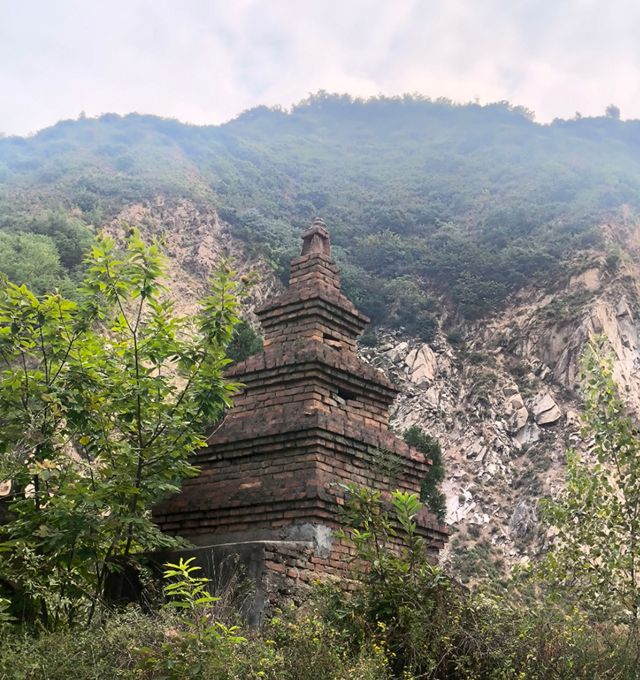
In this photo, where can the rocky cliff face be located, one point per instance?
(195, 241)
(500, 395)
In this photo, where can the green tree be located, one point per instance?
(31, 259)
(71, 237)
(102, 404)
(612, 111)
(596, 553)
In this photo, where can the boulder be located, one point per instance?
(515, 410)
(396, 353)
(622, 308)
(517, 420)
(523, 519)
(516, 402)
(510, 390)
(546, 411)
(422, 364)
(458, 508)
(529, 434)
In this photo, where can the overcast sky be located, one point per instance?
(205, 61)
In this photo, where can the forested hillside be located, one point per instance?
(468, 201)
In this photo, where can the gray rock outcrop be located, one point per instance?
(422, 364)
(504, 418)
(546, 411)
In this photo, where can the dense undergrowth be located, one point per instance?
(405, 620)
(501, 643)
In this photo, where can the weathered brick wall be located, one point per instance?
(315, 376)
(313, 307)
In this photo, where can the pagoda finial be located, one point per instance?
(316, 239)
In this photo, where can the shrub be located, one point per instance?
(426, 326)
(369, 339)
(432, 627)
(245, 342)
(430, 447)
(199, 645)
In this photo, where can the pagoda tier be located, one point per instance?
(310, 418)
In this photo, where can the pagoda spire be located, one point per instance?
(313, 306)
(316, 239)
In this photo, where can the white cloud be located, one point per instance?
(204, 61)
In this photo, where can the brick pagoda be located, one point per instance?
(311, 415)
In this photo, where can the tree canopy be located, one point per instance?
(103, 401)
(596, 552)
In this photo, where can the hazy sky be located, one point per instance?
(204, 61)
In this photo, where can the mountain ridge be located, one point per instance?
(472, 200)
